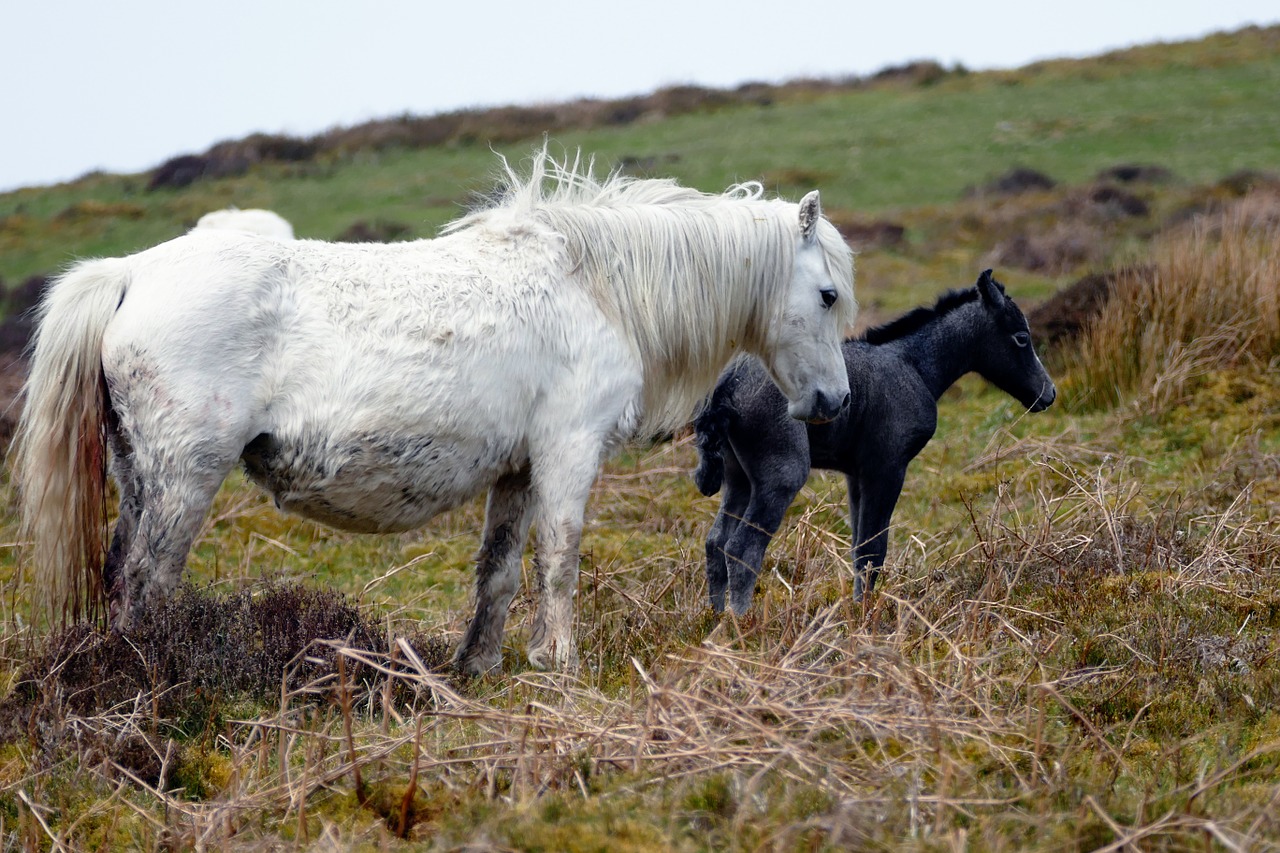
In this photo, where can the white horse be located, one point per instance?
(371, 387)
(251, 221)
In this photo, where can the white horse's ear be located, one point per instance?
(810, 213)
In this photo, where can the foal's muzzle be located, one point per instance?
(1045, 400)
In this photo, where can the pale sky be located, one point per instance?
(123, 86)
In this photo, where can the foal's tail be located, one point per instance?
(59, 451)
(711, 428)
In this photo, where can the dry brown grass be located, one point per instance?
(1211, 300)
(1084, 667)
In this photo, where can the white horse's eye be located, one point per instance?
(1022, 339)
(829, 296)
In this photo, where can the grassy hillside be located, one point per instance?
(1076, 644)
(1201, 111)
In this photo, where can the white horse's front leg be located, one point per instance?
(563, 484)
(551, 645)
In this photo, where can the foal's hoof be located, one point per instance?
(740, 604)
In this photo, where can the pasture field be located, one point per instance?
(1075, 644)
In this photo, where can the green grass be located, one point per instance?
(1073, 646)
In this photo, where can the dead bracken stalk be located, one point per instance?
(344, 696)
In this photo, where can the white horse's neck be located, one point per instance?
(690, 286)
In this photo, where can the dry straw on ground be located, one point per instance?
(966, 707)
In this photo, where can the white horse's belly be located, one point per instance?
(374, 482)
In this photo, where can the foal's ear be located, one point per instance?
(810, 213)
(992, 291)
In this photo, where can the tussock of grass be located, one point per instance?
(1211, 299)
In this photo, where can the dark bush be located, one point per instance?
(920, 73)
(239, 644)
(1015, 181)
(378, 231)
(1117, 201)
(181, 171)
(1063, 317)
(634, 164)
(1245, 181)
(185, 662)
(231, 158)
(1133, 173)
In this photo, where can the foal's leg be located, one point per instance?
(772, 492)
(854, 483)
(562, 481)
(506, 527)
(734, 496)
(878, 495)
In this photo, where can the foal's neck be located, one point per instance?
(942, 350)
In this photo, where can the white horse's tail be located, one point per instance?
(59, 452)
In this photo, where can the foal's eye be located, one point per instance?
(1022, 339)
(828, 297)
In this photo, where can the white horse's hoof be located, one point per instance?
(474, 663)
(562, 657)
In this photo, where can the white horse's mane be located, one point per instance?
(657, 256)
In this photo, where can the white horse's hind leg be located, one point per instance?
(175, 499)
(175, 439)
(506, 527)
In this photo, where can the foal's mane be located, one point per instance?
(917, 318)
(692, 278)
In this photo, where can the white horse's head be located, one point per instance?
(802, 352)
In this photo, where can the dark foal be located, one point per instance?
(897, 372)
